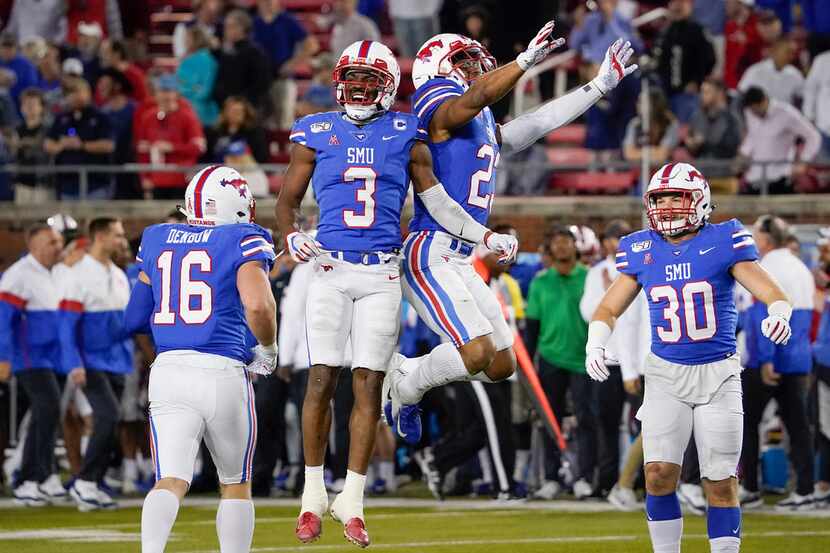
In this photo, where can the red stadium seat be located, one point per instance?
(278, 146)
(569, 134)
(593, 183)
(569, 156)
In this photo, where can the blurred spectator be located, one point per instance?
(772, 128)
(816, 19)
(782, 9)
(821, 357)
(775, 75)
(238, 155)
(600, 29)
(286, 43)
(207, 15)
(476, 21)
(29, 346)
(238, 122)
(817, 98)
(715, 131)
(114, 90)
(350, 26)
(25, 73)
(414, 22)
(662, 136)
(81, 135)
(555, 325)
(769, 29)
(32, 188)
(685, 57)
(743, 42)
(243, 68)
(320, 94)
(607, 120)
(38, 18)
(113, 53)
(711, 14)
(49, 69)
(33, 49)
(197, 74)
(167, 135)
(90, 36)
(105, 14)
(8, 110)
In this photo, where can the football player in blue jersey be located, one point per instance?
(203, 289)
(456, 83)
(359, 163)
(687, 267)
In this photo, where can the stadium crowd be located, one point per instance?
(730, 83)
(735, 84)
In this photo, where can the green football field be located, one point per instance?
(404, 525)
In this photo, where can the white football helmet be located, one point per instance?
(587, 243)
(453, 57)
(218, 195)
(683, 179)
(366, 79)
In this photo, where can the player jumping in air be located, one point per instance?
(359, 163)
(202, 286)
(688, 268)
(456, 81)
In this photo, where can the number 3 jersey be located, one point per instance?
(361, 177)
(192, 270)
(689, 288)
(465, 163)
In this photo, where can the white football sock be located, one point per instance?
(522, 458)
(441, 366)
(84, 444)
(129, 470)
(387, 472)
(353, 493)
(157, 517)
(314, 491)
(235, 525)
(725, 545)
(665, 535)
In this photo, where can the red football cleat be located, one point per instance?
(355, 532)
(309, 527)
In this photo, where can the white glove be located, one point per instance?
(505, 245)
(595, 364)
(776, 326)
(302, 247)
(613, 68)
(539, 48)
(265, 360)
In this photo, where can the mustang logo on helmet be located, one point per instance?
(240, 184)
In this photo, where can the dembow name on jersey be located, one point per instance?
(183, 237)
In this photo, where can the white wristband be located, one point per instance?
(598, 335)
(780, 308)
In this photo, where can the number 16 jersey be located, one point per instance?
(689, 288)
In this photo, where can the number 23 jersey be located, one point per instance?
(361, 177)
(689, 288)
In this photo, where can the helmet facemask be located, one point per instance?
(471, 61)
(673, 211)
(363, 90)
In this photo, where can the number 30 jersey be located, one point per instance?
(360, 178)
(689, 288)
(192, 271)
(465, 163)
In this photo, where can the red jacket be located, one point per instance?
(182, 129)
(743, 48)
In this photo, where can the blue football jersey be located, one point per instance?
(465, 163)
(689, 288)
(192, 271)
(360, 178)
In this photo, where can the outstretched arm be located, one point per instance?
(300, 246)
(491, 87)
(448, 213)
(518, 134)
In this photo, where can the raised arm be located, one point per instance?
(615, 301)
(300, 246)
(448, 213)
(491, 87)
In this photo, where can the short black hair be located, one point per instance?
(616, 228)
(717, 83)
(559, 230)
(99, 225)
(120, 47)
(36, 229)
(177, 215)
(753, 96)
(775, 227)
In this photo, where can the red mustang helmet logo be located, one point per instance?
(240, 184)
